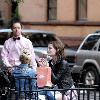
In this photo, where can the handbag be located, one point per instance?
(4, 80)
(44, 77)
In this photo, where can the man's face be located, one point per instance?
(16, 29)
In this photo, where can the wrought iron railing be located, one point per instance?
(84, 92)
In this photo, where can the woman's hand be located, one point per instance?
(42, 62)
(49, 84)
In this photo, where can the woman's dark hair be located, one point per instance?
(15, 21)
(59, 46)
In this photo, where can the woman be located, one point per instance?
(61, 72)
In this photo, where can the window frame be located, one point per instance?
(90, 42)
(51, 10)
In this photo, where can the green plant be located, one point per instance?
(14, 8)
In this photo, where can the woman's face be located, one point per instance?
(51, 50)
(16, 29)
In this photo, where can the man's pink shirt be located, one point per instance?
(11, 51)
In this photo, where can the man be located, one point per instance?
(13, 46)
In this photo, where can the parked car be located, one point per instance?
(87, 60)
(40, 40)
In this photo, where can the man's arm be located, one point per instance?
(4, 55)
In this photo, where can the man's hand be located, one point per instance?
(9, 69)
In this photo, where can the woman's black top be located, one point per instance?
(61, 74)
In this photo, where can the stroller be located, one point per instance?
(4, 85)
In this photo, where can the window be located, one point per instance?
(90, 42)
(52, 9)
(41, 39)
(81, 10)
(3, 37)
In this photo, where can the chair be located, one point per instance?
(25, 87)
